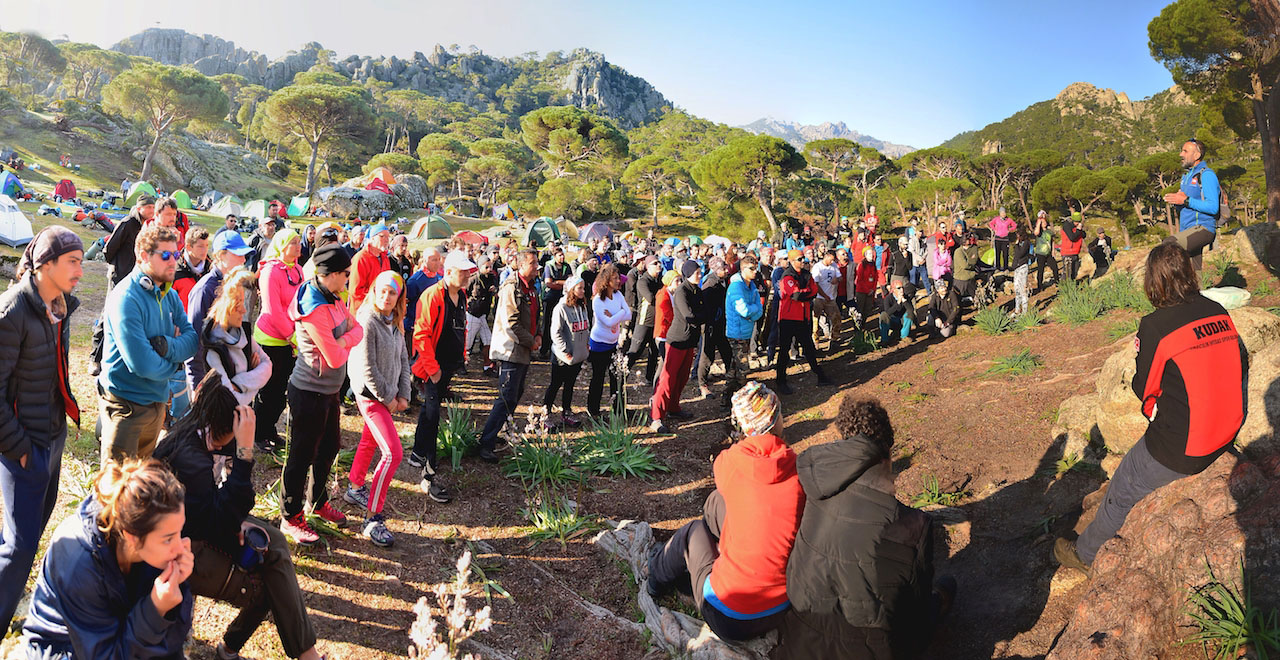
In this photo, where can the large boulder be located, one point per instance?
(1077, 426)
(1261, 430)
(364, 203)
(1258, 243)
(1136, 602)
(411, 191)
(1119, 415)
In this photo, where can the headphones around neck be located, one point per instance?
(149, 284)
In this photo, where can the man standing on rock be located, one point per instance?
(1198, 201)
(1192, 377)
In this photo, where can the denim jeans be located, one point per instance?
(510, 389)
(29, 496)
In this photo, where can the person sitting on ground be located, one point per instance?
(1100, 250)
(943, 313)
(733, 560)
(898, 313)
(226, 348)
(243, 560)
(1192, 376)
(113, 583)
(860, 578)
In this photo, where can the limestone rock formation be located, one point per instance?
(1136, 603)
(591, 81)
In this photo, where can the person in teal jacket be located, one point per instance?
(147, 340)
(1198, 201)
(743, 307)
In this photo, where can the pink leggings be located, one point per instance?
(380, 430)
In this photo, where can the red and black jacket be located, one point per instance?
(1192, 377)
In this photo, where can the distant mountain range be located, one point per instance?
(800, 134)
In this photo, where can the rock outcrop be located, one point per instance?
(591, 81)
(1136, 602)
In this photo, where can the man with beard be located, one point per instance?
(796, 291)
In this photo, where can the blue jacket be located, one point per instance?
(742, 308)
(85, 607)
(1201, 209)
(418, 283)
(131, 369)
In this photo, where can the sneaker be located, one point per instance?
(435, 491)
(224, 654)
(375, 529)
(705, 392)
(782, 388)
(571, 420)
(680, 414)
(491, 371)
(658, 427)
(357, 496)
(488, 456)
(416, 461)
(95, 369)
(1064, 551)
(331, 514)
(296, 528)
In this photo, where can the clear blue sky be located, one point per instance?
(909, 72)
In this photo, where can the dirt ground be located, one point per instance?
(972, 431)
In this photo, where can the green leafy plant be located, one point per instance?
(934, 494)
(1076, 304)
(481, 571)
(610, 449)
(543, 461)
(993, 321)
(1018, 364)
(1263, 289)
(1122, 329)
(915, 397)
(269, 503)
(1230, 621)
(1121, 291)
(866, 341)
(457, 436)
(556, 518)
(1032, 318)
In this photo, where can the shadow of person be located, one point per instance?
(1255, 486)
(1005, 571)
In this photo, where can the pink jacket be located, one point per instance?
(1001, 226)
(941, 262)
(278, 284)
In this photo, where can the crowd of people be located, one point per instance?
(206, 340)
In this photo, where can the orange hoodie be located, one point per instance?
(763, 501)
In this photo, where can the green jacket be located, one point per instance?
(963, 263)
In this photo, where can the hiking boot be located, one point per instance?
(488, 456)
(375, 529)
(223, 653)
(435, 491)
(781, 387)
(658, 427)
(357, 496)
(95, 369)
(415, 460)
(570, 420)
(1064, 550)
(330, 513)
(296, 528)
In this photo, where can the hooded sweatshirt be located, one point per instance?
(570, 332)
(763, 501)
(321, 319)
(278, 283)
(379, 364)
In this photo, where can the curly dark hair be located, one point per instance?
(867, 418)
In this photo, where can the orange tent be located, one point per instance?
(378, 173)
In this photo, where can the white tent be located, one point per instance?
(15, 228)
(717, 240)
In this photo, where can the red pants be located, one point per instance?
(379, 433)
(675, 375)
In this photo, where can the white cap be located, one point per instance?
(457, 260)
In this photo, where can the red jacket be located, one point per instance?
(366, 268)
(663, 315)
(864, 277)
(763, 501)
(793, 283)
(1070, 247)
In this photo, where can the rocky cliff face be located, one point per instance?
(584, 78)
(800, 134)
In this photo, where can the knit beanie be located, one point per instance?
(756, 409)
(51, 243)
(331, 258)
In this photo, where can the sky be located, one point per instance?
(913, 73)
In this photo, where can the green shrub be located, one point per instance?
(1122, 329)
(543, 461)
(557, 519)
(1029, 319)
(1121, 291)
(993, 321)
(457, 436)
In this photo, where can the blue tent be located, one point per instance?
(10, 184)
(672, 241)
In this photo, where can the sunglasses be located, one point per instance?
(167, 255)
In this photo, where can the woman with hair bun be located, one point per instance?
(113, 582)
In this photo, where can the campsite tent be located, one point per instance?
(65, 189)
(718, 241)
(182, 198)
(672, 241)
(379, 185)
(432, 226)
(377, 173)
(594, 231)
(567, 228)
(228, 205)
(10, 184)
(208, 199)
(137, 189)
(693, 239)
(299, 206)
(256, 209)
(15, 228)
(474, 238)
(503, 212)
(541, 231)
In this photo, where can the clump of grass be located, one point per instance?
(457, 436)
(610, 449)
(1031, 318)
(1263, 289)
(1076, 304)
(1018, 364)
(866, 341)
(1080, 302)
(1121, 291)
(934, 494)
(557, 519)
(1221, 270)
(543, 461)
(1229, 621)
(1122, 329)
(993, 321)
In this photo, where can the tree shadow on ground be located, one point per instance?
(1006, 569)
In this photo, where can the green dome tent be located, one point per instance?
(299, 206)
(137, 189)
(541, 231)
(183, 199)
(432, 226)
(228, 205)
(256, 209)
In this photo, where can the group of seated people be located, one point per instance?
(816, 546)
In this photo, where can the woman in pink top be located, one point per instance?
(941, 267)
(1002, 228)
(279, 277)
